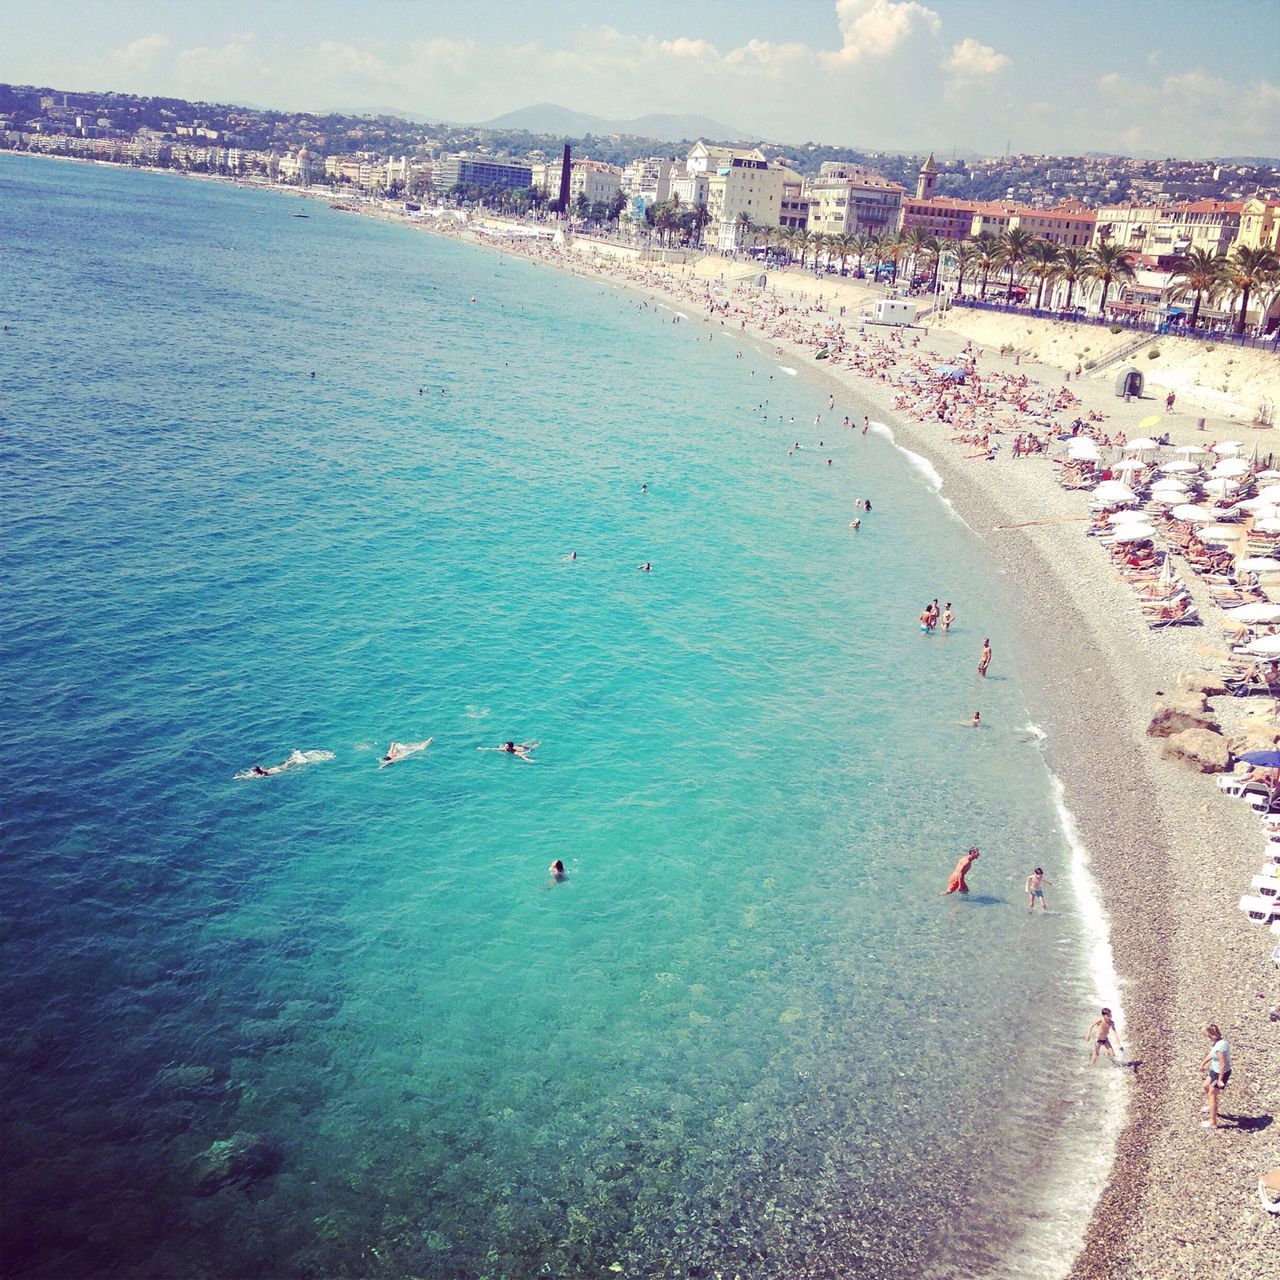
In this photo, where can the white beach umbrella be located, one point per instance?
(1128, 464)
(1259, 506)
(1114, 491)
(1231, 467)
(1170, 492)
(1127, 516)
(1225, 447)
(1193, 514)
(1189, 449)
(1266, 526)
(1265, 645)
(1270, 492)
(1220, 487)
(1134, 533)
(1255, 613)
(1142, 442)
(1084, 448)
(1270, 474)
(1178, 468)
(1219, 533)
(1258, 564)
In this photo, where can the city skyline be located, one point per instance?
(1141, 78)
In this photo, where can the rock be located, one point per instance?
(241, 1158)
(187, 1082)
(1199, 749)
(1179, 711)
(1206, 683)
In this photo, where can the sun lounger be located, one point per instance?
(1265, 886)
(1269, 1190)
(1261, 910)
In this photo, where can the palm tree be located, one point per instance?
(1015, 244)
(701, 216)
(1109, 262)
(1044, 258)
(1073, 264)
(842, 245)
(1201, 272)
(930, 250)
(861, 245)
(913, 240)
(966, 256)
(1249, 269)
(802, 240)
(892, 249)
(988, 260)
(743, 227)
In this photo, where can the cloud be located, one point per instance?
(875, 28)
(970, 60)
(142, 52)
(209, 67)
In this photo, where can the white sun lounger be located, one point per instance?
(1265, 886)
(1261, 910)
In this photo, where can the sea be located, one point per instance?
(277, 487)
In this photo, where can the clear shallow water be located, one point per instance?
(745, 1035)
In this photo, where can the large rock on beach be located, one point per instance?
(240, 1159)
(1198, 749)
(1208, 684)
(1179, 711)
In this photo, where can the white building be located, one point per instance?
(594, 180)
(649, 178)
(743, 186)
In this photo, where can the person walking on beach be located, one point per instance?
(985, 660)
(957, 882)
(1034, 890)
(1099, 1032)
(1217, 1065)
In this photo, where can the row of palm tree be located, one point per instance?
(1209, 276)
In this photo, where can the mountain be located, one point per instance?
(549, 118)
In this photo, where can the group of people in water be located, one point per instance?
(395, 751)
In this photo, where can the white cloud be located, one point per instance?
(970, 60)
(875, 28)
(208, 67)
(141, 53)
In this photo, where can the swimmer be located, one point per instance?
(556, 871)
(519, 749)
(985, 660)
(957, 883)
(402, 750)
(644, 488)
(394, 751)
(259, 772)
(645, 568)
(313, 373)
(866, 504)
(573, 555)
(976, 722)
(866, 422)
(947, 617)
(855, 523)
(1033, 887)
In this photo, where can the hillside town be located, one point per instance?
(1190, 246)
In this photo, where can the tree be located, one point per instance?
(1015, 244)
(988, 259)
(1249, 269)
(913, 241)
(1073, 265)
(701, 216)
(802, 240)
(892, 248)
(744, 227)
(861, 246)
(929, 251)
(842, 245)
(1201, 272)
(1044, 258)
(966, 256)
(1109, 262)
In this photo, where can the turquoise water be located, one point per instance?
(745, 1036)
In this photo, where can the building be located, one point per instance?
(595, 181)
(462, 169)
(744, 186)
(692, 188)
(927, 180)
(649, 178)
(1259, 224)
(943, 216)
(1127, 224)
(851, 200)
(795, 209)
(1069, 224)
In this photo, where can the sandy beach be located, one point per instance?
(1171, 853)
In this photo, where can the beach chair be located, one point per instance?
(1269, 1190)
(1261, 910)
(1265, 886)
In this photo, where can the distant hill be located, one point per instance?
(548, 117)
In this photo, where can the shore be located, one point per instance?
(1171, 854)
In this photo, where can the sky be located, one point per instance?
(1164, 77)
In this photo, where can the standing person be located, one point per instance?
(1099, 1032)
(957, 882)
(1034, 889)
(947, 617)
(1168, 402)
(985, 660)
(1217, 1065)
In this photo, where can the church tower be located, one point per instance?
(927, 180)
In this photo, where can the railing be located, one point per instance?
(1122, 352)
(1270, 343)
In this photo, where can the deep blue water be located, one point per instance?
(746, 1035)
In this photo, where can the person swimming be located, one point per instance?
(976, 722)
(556, 871)
(645, 568)
(573, 555)
(394, 751)
(510, 748)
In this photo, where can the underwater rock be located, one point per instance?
(242, 1158)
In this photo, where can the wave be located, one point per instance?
(1033, 732)
(932, 476)
(786, 368)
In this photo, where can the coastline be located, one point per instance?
(1183, 953)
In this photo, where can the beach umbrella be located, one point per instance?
(1268, 758)
(1178, 468)
(1266, 526)
(1258, 564)
(1193, 514)
(1128, 517)
(1226, 446)
(1114, 491)
(1231, 467)
(1218, 533)
(1134, 533)
(1220, 487)
(1265, 645)
(1170, 492)
(1142, 443)
(1269, 474)
(1270, 492)
(1260, 506)
(1084, 448)
(1255, 613)
(1189, 449)
(1149, 421)
(1128, 464)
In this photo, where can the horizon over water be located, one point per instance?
(339, 1021)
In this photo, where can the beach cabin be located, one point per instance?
(1129, 382)
(893, 311)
